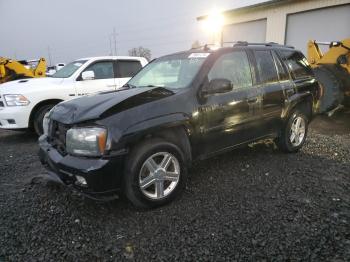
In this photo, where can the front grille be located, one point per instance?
(57, 136)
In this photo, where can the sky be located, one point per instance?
(65, 30)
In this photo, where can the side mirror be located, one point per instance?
(218, 85)
(88, 75)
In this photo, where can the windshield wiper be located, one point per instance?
(154, 86)
(129, 85)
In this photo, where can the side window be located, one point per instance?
(266, 66)
(234, 67)
(102, 70)
(127, 68)
(296, 63)
(282, 73)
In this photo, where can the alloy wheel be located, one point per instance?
(297, 131)
(159, 175)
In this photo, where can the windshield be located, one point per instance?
(69, 69)
(175, 71)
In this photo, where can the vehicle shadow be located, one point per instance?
(9, 137)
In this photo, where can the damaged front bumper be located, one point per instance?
(97, 178)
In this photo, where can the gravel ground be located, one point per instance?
(251, 204)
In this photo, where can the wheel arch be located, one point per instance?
(302, 102)
(177, 132)
(39, 105)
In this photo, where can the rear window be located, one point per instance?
(127, 68)
(296, 63)
(266, 66)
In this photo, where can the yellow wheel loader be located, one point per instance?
(14, 70)
(332, 70)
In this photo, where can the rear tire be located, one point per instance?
(331, 87)
(39, 117)
(145, 183)
(294, 133)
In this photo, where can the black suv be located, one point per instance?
(182, 107)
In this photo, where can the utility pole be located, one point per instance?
(115, 41)
(48, 50)
(110, 45)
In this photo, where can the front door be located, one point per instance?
(228, 118)
(103, 79)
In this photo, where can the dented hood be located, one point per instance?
(104, 104)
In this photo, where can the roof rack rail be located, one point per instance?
(206, 47)
(245, 43)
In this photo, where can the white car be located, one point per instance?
(24, 103)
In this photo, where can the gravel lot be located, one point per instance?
(254, 203)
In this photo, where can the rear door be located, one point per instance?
(125, 69)
(271, 90)
(229, 119)
(103, 81)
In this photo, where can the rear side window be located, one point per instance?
(281, 71)
(128, 68)
(266, 66)
(296, 63)
(234, 67)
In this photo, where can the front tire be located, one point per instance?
(294, 132)
(155, 174)
(39, 118)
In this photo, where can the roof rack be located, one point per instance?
(245, 43)
(207, 47)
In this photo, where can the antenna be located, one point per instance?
(110, 46)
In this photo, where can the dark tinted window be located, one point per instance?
(234, 67)
(128, 68)
(102, 70)
(282, 73)
(296, 63)
(266, 67)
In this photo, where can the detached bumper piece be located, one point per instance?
(96, 178)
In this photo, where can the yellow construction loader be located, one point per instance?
(13, 70)
(332, 70)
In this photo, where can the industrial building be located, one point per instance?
(290, 22)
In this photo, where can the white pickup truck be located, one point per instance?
(24, 103)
